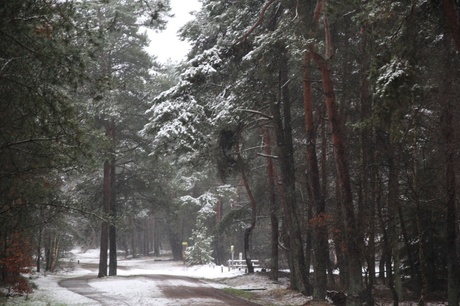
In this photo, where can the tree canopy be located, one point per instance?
(317, 136)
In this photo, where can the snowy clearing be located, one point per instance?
(133, 286)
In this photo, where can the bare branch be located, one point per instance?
(255, 112)
(20, 142)
(266, 155)
(259, 21)
(318, 11)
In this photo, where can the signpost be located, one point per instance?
(232, 250)
(184, 248)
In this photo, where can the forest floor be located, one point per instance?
(135, 285)
(279, 294)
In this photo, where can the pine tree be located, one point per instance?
(200, 252)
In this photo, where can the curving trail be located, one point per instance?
(163, 290)
(80, 285)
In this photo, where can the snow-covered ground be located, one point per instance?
(136, 290)
(133, 288)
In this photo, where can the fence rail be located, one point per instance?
(241, 263)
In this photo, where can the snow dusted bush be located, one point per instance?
(200, 252)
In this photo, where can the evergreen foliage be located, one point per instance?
(200, 252)
(358, 100)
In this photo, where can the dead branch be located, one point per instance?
(259, 21)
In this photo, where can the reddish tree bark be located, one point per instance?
(453, 24)
(338, 141)
(318, 222)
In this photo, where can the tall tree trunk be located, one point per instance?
(338, 233)
(105, 70)
(113, 216)
(156, 237)
(393, 198)
(453, 22)
(319, 220)
(324, 189)
(105, 222)
(422, 285)
(354, 245)
(421, 257)
(309, 247)
(47, 247)
(453, 261)
(56, 249)
(51, 251)
(371, 248)
(385, 269)
(407, 244)
(453, 266)
(39, 248)
(175, 243)
(367, 176)
(219, 251)
(248, 230)
(274, 258)
(299, 279)
(133, 245)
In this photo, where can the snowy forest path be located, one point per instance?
(80, 285)
(163, 290)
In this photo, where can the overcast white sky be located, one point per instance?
(165, 45)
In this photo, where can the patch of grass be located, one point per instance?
(240, 293)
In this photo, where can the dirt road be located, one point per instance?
(165, 290)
